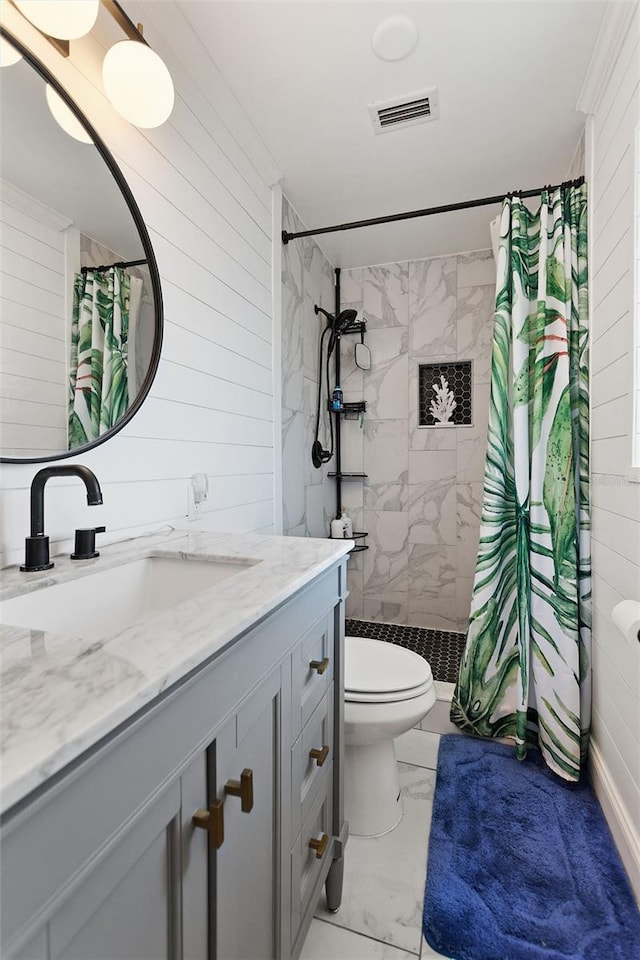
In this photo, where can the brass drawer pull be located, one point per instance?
(242, 788)
(319, 755)
(319, 845)
(319, 665)
(211, 820)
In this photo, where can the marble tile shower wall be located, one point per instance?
(307, 279)
(422, 500)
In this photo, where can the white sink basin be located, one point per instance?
(103, 603)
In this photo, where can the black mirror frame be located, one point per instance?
(134, 210)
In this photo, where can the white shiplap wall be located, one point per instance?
(203, 183)
(611, 97)
(33, 345)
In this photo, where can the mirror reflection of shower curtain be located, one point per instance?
(136, 367)
(98, 387)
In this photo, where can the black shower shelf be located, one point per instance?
(358, 535)
(349, 476)
(358, 407)
(359, 327)
(350, 408)
(359, 547)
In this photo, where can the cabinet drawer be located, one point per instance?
(309, 771)
(306, 862)
(312, 671)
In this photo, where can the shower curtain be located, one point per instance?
(525, 672)
(98, 390)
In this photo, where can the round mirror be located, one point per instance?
(81, 320)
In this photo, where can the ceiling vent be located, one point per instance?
(405, 111)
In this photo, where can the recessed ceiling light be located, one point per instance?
(395, 38)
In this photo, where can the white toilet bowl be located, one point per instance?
(388, 690)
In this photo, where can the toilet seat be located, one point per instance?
(381, 672)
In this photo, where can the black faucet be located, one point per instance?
(37, 545)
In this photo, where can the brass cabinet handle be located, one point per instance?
(319, 755)
(211, 820)
(319, 665)
(319, 845)
(242, 788)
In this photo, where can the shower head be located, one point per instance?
(345, 318)
(340, 322)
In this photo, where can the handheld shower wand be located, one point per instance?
(336, 324)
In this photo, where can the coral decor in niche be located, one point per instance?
(444, 394)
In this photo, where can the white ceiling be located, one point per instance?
(508, 74)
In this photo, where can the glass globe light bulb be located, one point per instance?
(138, 83)
(63, 19)
(8, 54)
(65, 117)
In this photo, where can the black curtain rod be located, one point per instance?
(123, 264)
(412, 214)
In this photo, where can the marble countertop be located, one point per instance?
(61, 695)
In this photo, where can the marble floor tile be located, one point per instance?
(325, 941)
(385, 876)
(428, 953)
(437, 720)
(418, 747)
(444, 690)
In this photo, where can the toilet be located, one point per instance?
(388, 690)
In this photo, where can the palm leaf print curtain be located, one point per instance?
(98, 391)
(525, 673)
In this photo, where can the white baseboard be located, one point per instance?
(625, 832)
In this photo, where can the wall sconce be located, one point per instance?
(136, 80)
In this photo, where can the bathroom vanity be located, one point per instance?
(173, 790)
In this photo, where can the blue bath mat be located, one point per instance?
(522, 866)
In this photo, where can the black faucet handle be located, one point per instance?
(85, 543)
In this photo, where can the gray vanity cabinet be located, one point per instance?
(244, 870)
(106, 863)
(139, 879)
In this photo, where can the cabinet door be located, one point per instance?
(129, 906)
(244, 923)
